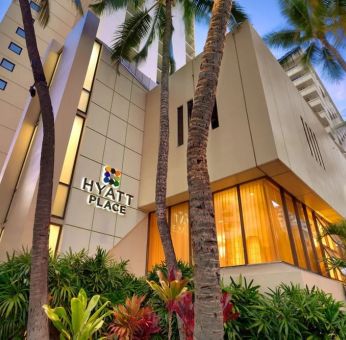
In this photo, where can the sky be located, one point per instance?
(265, 16)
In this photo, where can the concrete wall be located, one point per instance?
(260, 131)
(13, 99)
(112, 135)
(271, 275)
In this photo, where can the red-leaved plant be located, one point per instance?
(134, 322)
(227, 308)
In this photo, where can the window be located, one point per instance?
(180, 231)
(155, 249)
(3, 84)
(15, 48)
(214, 117)
(54, 235)
(189, 109)
(20, 32)
(7, 64)
(180, 112)
(36, 7)
(228, 228)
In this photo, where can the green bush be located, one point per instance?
(288, 312)
(68, 273)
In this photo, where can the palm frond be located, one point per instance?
(44, 14)
(286, 38)
(311, 54)
(130, 34)
(238, 16)
(336, 229)
(109, 6)
(330, 66)
(296, 12)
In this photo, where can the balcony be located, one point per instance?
(301, 81)
(309, 92)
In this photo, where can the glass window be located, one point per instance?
(59, 204)
(278, 222)
(259, 237)
(71, 151)
(36, 7)
(214, 117)
(307, 239)
(155, 249)
(228, 228)
(3, 84)
(316, 243)
(189, 110)
(54, 233)
(8, 65)
(20, 32)
(83, 101)
(92, 67)
(180, 231)
(180, 125)
(295, 232)
(15, 48)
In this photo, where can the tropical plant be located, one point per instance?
(134, 322)
(37, 321)
(170, 290)
(337, 234)
(208, 312)
(318, 27)
(79, 323)
(67, 273)
(287, 312)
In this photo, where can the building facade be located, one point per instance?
(313, 91)
(276, 175)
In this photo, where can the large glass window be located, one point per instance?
(54, 233)
(155, 253)
(180, 231)
(228, 228)
(295, 232)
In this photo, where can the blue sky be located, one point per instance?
(265, 16)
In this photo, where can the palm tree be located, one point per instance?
(37, 321)
(337, 232)
(208, 322)
(146, 25)
(318, 27)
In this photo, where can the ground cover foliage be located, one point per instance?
(288, 312)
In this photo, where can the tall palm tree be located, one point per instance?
(141, 30)
(37, 321)
(318, 27)
(209, 321)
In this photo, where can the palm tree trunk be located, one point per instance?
(37, 321)
(162, 162)
(334, 52)
(208, 311)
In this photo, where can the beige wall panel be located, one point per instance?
(117, 129)
(120, 106)
(133, 248)
(97, 118)
(97, 239)
(2, 159)
(20, 75)
(66, 14)
(73, 238)
(9, 115)
(271, 275)
(22, 59)
(102, 95)
(106, 74)
(6, 138)
(14, 94)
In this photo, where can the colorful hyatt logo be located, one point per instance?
(106, 195)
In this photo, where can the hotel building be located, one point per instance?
(277, 176)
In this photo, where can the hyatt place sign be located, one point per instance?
(106, 195)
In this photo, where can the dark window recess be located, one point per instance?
(7, 64)
(3, 84)
(15, 48)
(180, 112)
(214, 117)
(189, 109)
(36, 7)
(20, 32)
(313, 144)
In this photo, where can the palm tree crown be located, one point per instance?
(318, 27)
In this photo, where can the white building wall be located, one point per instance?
(113, 135)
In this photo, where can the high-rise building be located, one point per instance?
(15, 71)
(277, 177)
(313, 91)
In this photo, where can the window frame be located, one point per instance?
(35, 6)
(3, 87)
(20, 32)
(16, 46)
(7, 61)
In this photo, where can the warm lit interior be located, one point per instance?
(54, 232)
(256, 222)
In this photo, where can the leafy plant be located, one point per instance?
(133, 322)
(82, 324)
